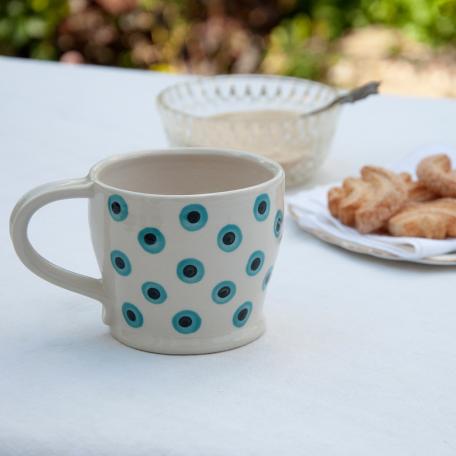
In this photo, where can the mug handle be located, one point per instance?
(19, 221)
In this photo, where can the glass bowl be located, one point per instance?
(255, 113)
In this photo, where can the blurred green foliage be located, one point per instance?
(283, 36)
(302, 38)
(28, 27)
(433, 21)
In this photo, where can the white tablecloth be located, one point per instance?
(360, 354)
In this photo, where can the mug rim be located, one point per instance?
(261, 161)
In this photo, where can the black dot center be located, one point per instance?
(224, 292)
(131, 315)
(255, 264)
(185, 322)
(243, 314)
(190, 270)
(278, 225)
(153, 293)
(193, 217)
(115, 207)
(229, 238)
(262, 207)
(150, 238)
(119, 262)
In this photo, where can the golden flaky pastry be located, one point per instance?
(417, 192)
(433, 220)
(368, 202)
(436, 174)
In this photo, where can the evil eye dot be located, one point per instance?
(278, 223)
(193, 217)
(190, 270)
(151, 240)
(132, 315)
(255, 263)
(229, 238)
(120, 262)
(267, 278)
(242, 314)
(261, 207)
(154, 292)
(118, 208)
(186, 322)
(223, 292)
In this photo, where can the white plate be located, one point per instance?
(438, 260)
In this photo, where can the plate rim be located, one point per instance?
(435, 260)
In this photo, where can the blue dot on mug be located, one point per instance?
(242, 314)
(229, 238)
(118, 208)
(186, 322)
(193, 217)
(132, 315)
(261, 207)
(223, 292)
(190, 270)
(120, 262)
(151, 240)
(267, 278)
(278, 223)
(154, 292)
(255, 263)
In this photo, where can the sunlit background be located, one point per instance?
(408, 44)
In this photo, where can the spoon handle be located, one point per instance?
(359, 93)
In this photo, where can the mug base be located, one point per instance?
(191, 346)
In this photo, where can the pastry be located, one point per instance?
(384, 202)
(433, 219)
(436, 174)
(343, 202)
(368, 202)
(417, 191)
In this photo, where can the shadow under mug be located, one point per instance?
(185, 240)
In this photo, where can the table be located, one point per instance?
(360, 354)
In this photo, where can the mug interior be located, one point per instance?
(185, 172)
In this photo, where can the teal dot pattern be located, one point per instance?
(154, 292)
(255, 263)
(224, 292)
(132, 315)
(192, 218)
(229, 238)
(190, 270)
(261, 207)
(120, 263)
(242, 314)
(151, 240)
(278, 222)
(118, 208)
(186, 322)
(266, 279)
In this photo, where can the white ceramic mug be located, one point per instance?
(185, 240)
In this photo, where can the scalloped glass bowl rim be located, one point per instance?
(200, 80)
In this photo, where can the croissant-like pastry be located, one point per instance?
(436, 174)
(417, 191)
(434, 220)
(368, 202)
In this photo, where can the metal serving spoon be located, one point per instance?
(359, 93)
